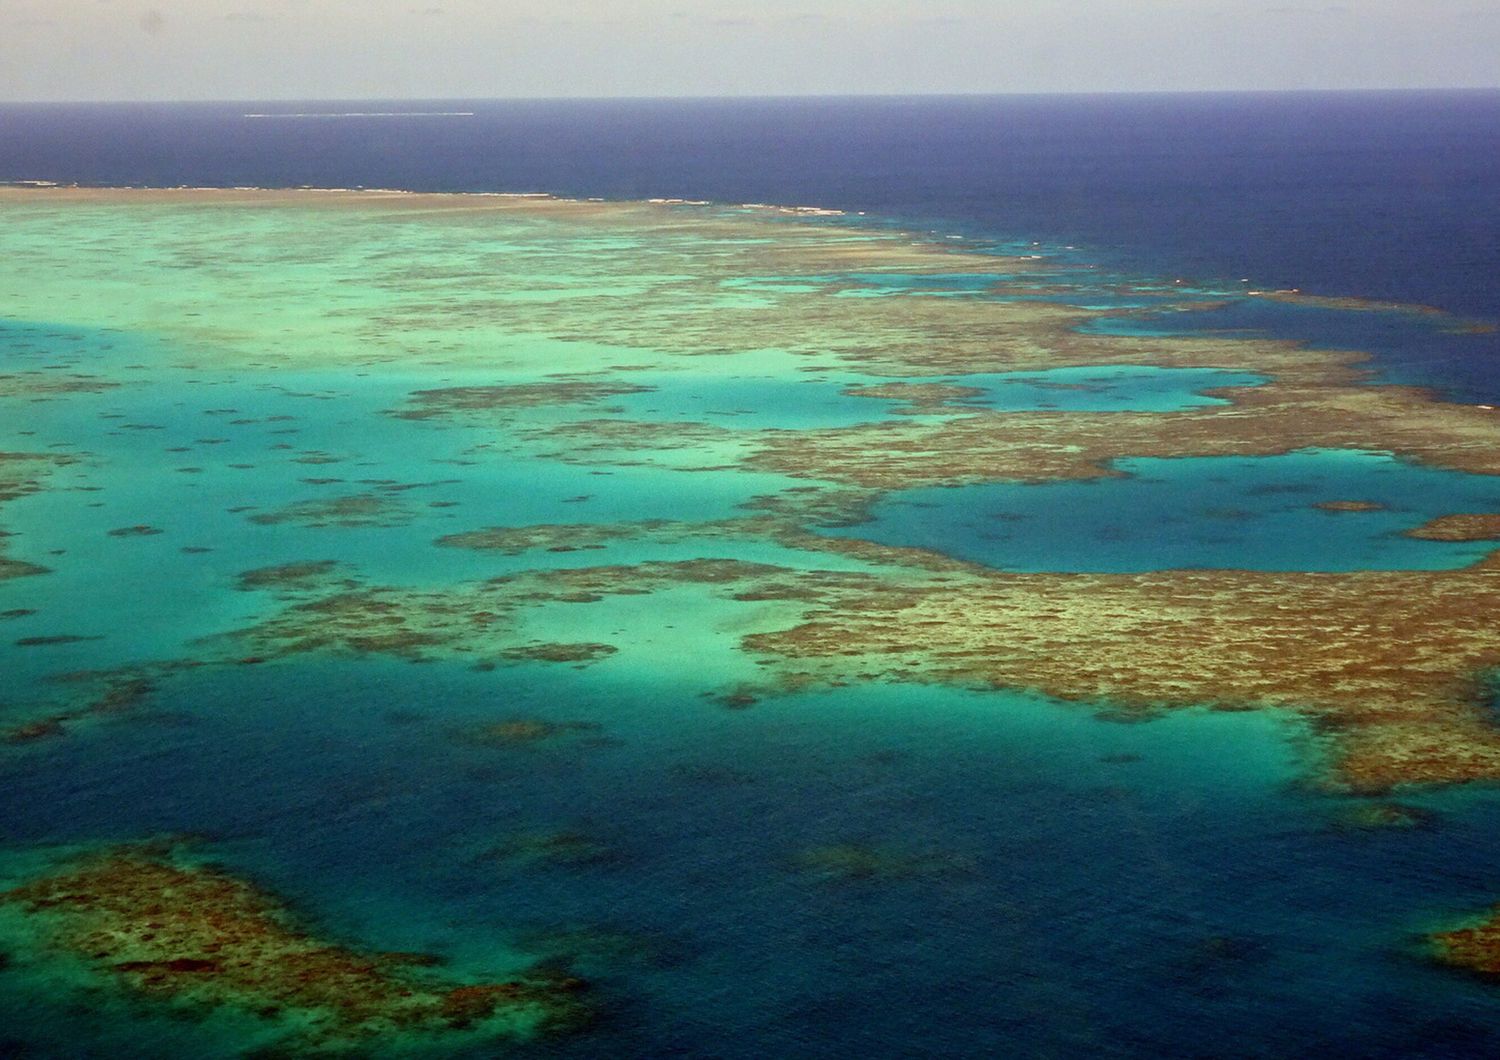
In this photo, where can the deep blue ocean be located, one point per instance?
(1374, 195)
(1079, 887)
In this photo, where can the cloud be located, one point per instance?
(152, 22)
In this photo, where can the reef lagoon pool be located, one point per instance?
(1312, 510)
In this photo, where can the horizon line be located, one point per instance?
(647, 98)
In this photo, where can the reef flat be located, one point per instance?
(609, 468)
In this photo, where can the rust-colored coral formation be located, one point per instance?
(182, 932)
(1460, 526)
(1475, 948)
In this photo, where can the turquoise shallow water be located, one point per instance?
(1028, 878)
(1258, 513)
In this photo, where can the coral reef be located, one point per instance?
(181, 932)
(286, 575)
(353, 511)
(472, 400)
(1389, 666)
(1460, 526)
(1350, 506)
(557, 652)
(1475, 948)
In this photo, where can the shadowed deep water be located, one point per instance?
(1076, 885)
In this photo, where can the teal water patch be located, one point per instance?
(1255, 513)
(1108, 388)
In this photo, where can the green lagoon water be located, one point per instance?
(1029, 878)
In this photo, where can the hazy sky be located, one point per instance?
(262, 49)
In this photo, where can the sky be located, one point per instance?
(433, 49)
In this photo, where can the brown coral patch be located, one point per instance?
(21, 473)
(921, 399)
(20, 476)
(180, 932)
(354, 511)
(560, 652)
(1349, 506)
(1460, 526)
(42, 385)
(472, 400)
(15, 568)
(139, 530)
(287, 575)
(1475, 948)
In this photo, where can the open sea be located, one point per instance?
(864, 871)
(1387, 196)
